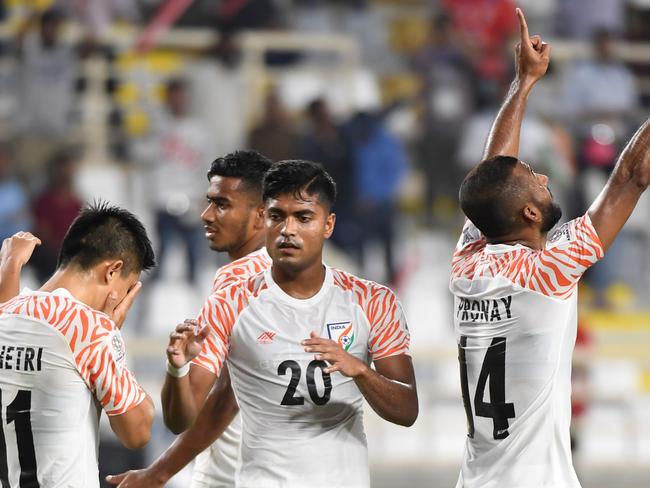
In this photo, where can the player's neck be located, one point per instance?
(80, 285)
(254, 243)
(527, 239)
(300, 284)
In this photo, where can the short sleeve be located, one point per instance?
(101, 361)
(389, 333)
(219, 315)
(470, 241)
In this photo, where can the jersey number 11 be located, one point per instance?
(494, 368)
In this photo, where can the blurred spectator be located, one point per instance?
(379, 161)
(54, 210)
(14, 204)
(219, 95)
(177, 177)
(578, 19)
(447, 88)
(246, 14)
(47, 77)
(485, 27)
(323, 141)
(274, 136)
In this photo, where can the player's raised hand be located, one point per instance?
(117, 310)
(135, 479)
(185, 343)
(18, 248)
(532, 53)
(339, 359)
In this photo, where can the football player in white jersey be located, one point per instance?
(299, 339)
(234, 224)
(63, 359)
(515, 291)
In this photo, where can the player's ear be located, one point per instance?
(532, 214)
(329, 225)
(112, 270)
(258, 223)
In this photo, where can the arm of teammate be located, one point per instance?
(182, 397)
(133, 428)
(390, 389)
(630, 178)
(532, 58)
(217, 413)
(16, 251)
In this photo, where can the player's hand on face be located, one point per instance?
(18, 248)
(339, 359)
(532, 54)
(117, 310)
(134, 479)
(185, 343)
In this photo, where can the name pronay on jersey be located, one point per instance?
(490, 310)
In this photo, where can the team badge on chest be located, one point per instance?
(341, 332)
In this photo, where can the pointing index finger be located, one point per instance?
(523, 26)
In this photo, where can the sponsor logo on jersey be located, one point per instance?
(266, 337)
(341, 332)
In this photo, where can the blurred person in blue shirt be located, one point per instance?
(379, 162)
(14, 203)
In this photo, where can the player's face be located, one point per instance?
(230, 215)
(296, 228)
(122, 284)
(542, 197)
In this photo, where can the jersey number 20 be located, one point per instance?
(290, 397)
(494, 368)
(18, 412)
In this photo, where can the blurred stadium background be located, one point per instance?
(130, 100)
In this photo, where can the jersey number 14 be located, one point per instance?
(494, 368)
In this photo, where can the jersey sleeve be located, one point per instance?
(570, 251)
(471, 240)
(100, 357)
(389, 333)
(219, 313)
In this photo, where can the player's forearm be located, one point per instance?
(178, 403)
(503, 139)
(634, 165)
(9, 280)
(393, 400)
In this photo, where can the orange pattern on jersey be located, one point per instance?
(90, 335)
(389, 335)
(241, 269)
(220, 313)
(553, 271)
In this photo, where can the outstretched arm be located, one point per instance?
(628, 181)
(532, 58)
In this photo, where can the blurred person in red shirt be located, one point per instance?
(54, 210)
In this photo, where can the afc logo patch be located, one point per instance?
(563, 231)
(119, 351)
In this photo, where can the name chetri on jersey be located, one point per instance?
(58, 358)
(515, 319)
(302, 426)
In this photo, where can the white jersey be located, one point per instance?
(515, 318)
(301, 426)
(61, 361)
(217, 465)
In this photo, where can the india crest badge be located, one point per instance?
(341, 332)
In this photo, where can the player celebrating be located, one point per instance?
(298, 339)
(61, 357)
(234, 223)
(515, 296)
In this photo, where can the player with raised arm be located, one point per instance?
(299, 339)
(16, 251)
(62, 359)
(234, 223)
(515, 295)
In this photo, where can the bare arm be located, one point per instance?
(628, 181)
(16, 251)
(532, 58)
(390, 390)
(218, 412)
(133, 428)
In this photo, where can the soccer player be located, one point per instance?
(62, 358)
(234, 223)
(515, 292)
(298, 339)
(16, 251)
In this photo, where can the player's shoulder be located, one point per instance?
(578, 229)
(365, 290)
(242, 268)
(241, 290)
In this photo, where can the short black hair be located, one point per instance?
(299, 177)
(103, 231)
(247, 165)
(488, 196)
